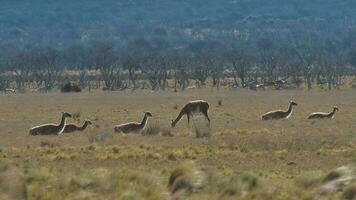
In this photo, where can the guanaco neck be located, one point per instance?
(85, 125)
(144, 121)
(62, 124)
(332, 113)
(181, 114)
(290, 108)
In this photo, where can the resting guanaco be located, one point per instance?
(133, 126)
(280, 114)
(321, 115)
(51, 129)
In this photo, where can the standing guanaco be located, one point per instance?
(192, 108)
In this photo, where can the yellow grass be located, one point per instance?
(245, 157)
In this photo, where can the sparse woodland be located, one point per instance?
(172, 45)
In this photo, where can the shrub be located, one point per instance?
(71, 87)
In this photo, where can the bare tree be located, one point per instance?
(304, 53)
(155, 68)
(106, 60)
(268, 62)
(180, 72)
(48, 70)
(241, 63)
(200, 71)
(131, 64)
(22, 65)
(216, 69)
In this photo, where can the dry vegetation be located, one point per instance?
(244, 157)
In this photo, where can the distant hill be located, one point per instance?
(65, 22)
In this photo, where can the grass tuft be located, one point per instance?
(3, 167)
(331, 176)
(151, 129)
(349, 192)
(76, 116)
(47, 144)
(202, 132)
(167, 133)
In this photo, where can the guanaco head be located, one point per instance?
(32, 133)
(148, 114)
(66, 115)
(335, 108)
(292, 103)
(88, 122)
(173, 124)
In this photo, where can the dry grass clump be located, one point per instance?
(156, 129)
(76, 116)
(185, 180)
(151, 129)
(202, 132)
(307, 181)
(233, 186)
(3, 167)
(179, 182)
(175, 107)
(349, 192)
(167, 132)
(95, 138)
(220, 102)
(46, 143)
(229, 188)
(52, 183)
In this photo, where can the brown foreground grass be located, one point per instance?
(244, 158)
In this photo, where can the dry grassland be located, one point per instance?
(245, 157)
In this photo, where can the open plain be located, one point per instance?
(244, 157)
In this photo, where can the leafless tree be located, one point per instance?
(241, 63)
(131, 64)
(106, 60)
(180, 72)
(200, 71)
(155, 68)
(22, 65)
(47, 71)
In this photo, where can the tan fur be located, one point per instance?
(50, 129)
(69, 128)
(133, 126)
(280, 114)
(323, 115)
